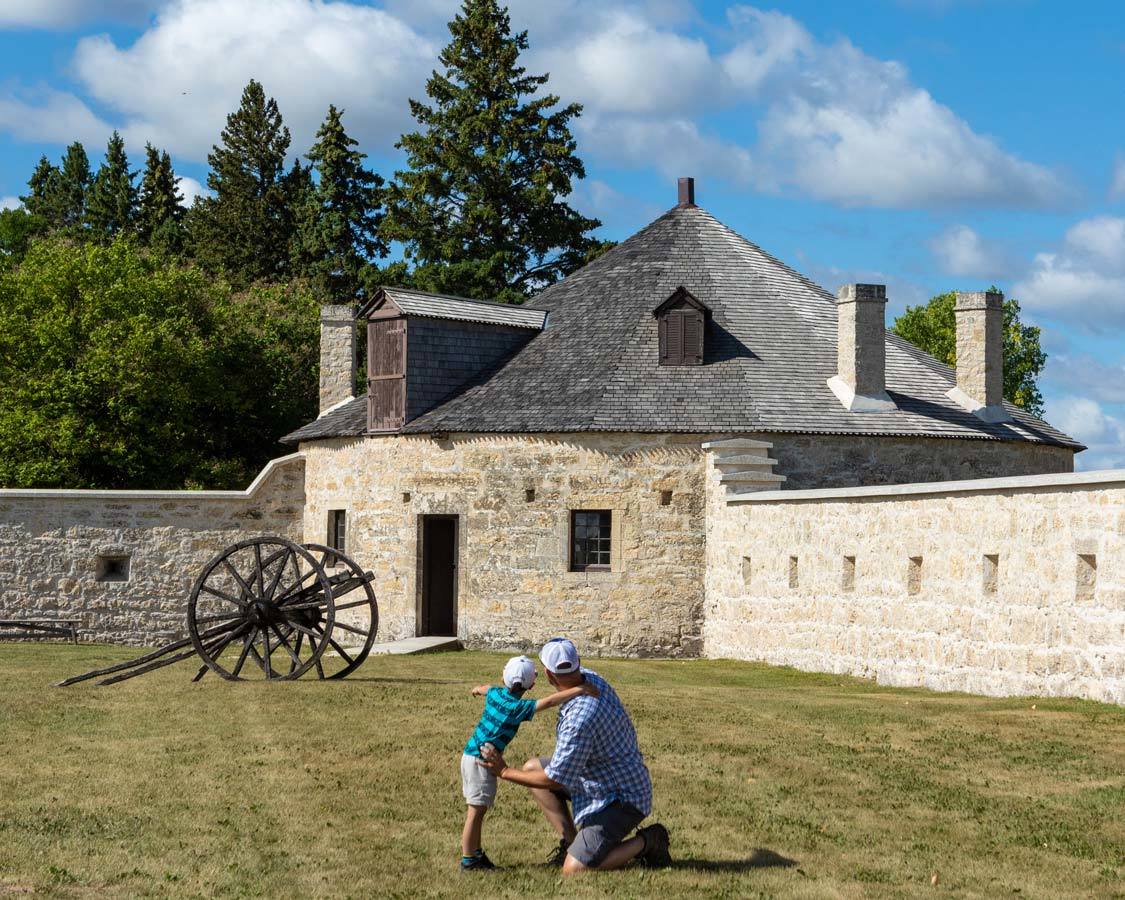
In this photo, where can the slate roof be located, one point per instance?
(441, 306)
(770, 348)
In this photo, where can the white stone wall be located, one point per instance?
(985, 587)
(50, 541)
(515, 587)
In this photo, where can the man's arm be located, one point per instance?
(558, 698)
(536, 779)
(481, 689)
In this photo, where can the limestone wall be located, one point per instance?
(826, 460)
(51, 541)
(1008, 586)
(515, 587)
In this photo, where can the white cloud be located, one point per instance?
(45, 114)
(1117, 182)
(190, 188)
(1102, 432)
(69, 13)
(176, 83)
(962, 251)
(1083, 373)
(10, 203)
(1083, 279)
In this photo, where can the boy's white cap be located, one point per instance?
(560, 656)
(519, 670)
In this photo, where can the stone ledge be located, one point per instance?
(1101, 478)
(93, 493)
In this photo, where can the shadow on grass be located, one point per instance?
(386, 680)
(759, 859)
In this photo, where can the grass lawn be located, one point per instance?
(772, 783)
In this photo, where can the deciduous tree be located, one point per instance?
(933, 327)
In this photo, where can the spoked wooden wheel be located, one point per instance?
(357, 613)
(263, 608)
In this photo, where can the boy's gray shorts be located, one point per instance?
(602, 831)
(477, 783)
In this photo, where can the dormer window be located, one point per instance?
(682, 323)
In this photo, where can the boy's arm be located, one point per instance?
(560, 697)
(481, 689)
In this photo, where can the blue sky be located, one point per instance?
(927, 144)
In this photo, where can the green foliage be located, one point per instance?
(933, 328)
(338, 226)
(160, 204)
(17, 228)
(244, 230)
(43, 193)
(111, 206)
(119, 369)
(481, 208)
(71, 190)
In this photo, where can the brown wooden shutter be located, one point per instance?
(675, 326)
(386, 374)
(662, 324)
(693, 338)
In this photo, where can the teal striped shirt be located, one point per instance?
(503, 713)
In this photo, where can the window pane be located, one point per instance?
(591, 535)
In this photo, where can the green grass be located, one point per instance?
(772, 782)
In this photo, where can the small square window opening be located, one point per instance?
(112, 567)
(337, 532)
(590, 537)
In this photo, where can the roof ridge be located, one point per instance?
(459, 299)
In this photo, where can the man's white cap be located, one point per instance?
(519, 670)
(560, 656)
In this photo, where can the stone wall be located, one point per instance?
(828, 460)
(1009, 586)
(51, 542)
(515, 587)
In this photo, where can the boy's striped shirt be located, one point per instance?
(503, 713)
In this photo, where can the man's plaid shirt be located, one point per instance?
(596, 755)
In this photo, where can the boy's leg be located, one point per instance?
(554, 806)
(470, 835)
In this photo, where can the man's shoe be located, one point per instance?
(655, 854)
(558, 855)
(478, 864)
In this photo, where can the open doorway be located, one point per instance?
(439, 576)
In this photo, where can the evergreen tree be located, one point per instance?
(338, 225)
(160, 211)
(481, 208)
(72, 189)
(112, 205)
(933, 327)
(43, 193)
(245, 229)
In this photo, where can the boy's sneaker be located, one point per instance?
(479, 863)
(655, 855)
(558, 855)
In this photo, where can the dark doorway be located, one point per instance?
(439, 576)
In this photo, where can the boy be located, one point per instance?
(504, 710)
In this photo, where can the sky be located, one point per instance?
(929, 145)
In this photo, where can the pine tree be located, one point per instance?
(43, 193)
(245, 229)
(338, 225)
(72, 190)
(160, 211)
(112, 204)
(481, 208)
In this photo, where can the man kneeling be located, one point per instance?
(598, 767)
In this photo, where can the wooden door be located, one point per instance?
(386, 374)
(439, 576)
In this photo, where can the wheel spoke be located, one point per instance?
(351, 628)
(319, 667)
(206, 620)
(246, 638)
(277, 575)
(293, 590)
(267, 653)
(284, 643)
(300, 639)
(258, 570)
(335, 646)
(241, 581)
(223, 596)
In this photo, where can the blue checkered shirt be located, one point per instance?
(596, 755)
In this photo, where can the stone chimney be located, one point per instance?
(686, 192)
(860, 382)
(980, 355)
(337, 356)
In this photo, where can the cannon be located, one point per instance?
(269, 609)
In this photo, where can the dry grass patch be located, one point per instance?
(772, 782)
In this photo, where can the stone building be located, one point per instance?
(685, 448)
(515, 472)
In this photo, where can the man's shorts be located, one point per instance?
(602, 831)
(477, 783)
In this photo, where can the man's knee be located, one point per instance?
(535, 764)
(571, 866)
